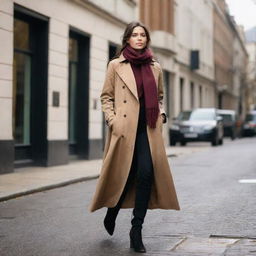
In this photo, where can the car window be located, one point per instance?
(202, 115)
(184, 116)
(249, 117)
(226, 118)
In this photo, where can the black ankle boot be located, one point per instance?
(136, 240)
(109, 226)
(110, 220)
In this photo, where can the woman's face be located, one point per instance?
(138, 39)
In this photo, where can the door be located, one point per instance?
(78, 99)
(30, 62)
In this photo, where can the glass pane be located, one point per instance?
(202, 115)
(249, 117)
(184, 115)
(21, 35)
(73, 50)
(72, 102)
(21, 98)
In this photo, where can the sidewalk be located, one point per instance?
(29, 180)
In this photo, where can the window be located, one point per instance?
(181, 93)
(30, 74)
(200, 96)
(192, 95)
(78, 97)
(21, 82)
(73, 65)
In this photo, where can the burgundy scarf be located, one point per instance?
(141, 63)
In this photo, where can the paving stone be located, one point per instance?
(204, 246)
(245, 247)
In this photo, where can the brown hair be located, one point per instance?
(128, 32)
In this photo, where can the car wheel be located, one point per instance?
(215, 141)
(173, 143)
(221, 141)
(183, 143)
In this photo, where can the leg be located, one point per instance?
(144, 179)
(110, 218)
(143, 190)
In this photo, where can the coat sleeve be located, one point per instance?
(161, 95)
(108, 95)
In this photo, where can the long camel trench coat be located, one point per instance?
(120, 105)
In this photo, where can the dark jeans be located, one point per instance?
(141, 172)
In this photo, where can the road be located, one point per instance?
(217, 212)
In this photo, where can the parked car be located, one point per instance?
(229, 122)
(202, 124)
(249, 126)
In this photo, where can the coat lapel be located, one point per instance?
(124, 70)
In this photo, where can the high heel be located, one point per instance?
(109, 225)
(110, 219)
(136, 240)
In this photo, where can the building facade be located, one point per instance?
(239, 69)
(160, 18)
(194, 85)
(230, 57)
(53, 61)
(223, 56)
(251, 69)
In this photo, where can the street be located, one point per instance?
(217, 214)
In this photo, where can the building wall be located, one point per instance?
(159, 17)
(195, 32)
(123, 10)
(230, 59)
(240, 58)
(63, 15)
(251, 72)
(6, 59)
(223, 56)
(223, 53)
(251, 49)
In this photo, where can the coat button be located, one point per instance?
(125, 101)
(123, 87)
(124, 115)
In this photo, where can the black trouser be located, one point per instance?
(141, 172)
(144, 177)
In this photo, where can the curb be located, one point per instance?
(48, 187)
(53, 186)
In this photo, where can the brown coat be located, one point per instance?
(121, 107)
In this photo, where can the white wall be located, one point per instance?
(194, 31)
(6, 61)
(122, 9)
(62, 14)
(251, 49)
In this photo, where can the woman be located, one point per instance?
(135, 172)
